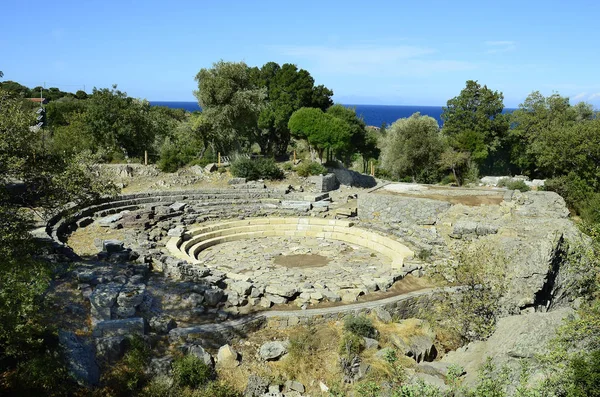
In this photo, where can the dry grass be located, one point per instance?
(82, 240)
(313, 356)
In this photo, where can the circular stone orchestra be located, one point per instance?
(296, 260)
(349, 261)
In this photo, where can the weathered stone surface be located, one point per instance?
(243, 288)
(294, 386)
(199, 352)
(127, 327)
(415, 338)
(212, 297)
(110, 349)
(371, 343)
(405, 210)
(286, 291)
(325, 183)
(271, 351)
(256, 387)
(236, 181)
(516, 338)
(176, 231)
(161, 324)
(80, 358)
(382, 315)
(111, 246)
(103, 298)
(227, 357)
(178, 206)
(353, 178)
(129, 298)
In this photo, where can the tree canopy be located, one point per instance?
(231, 103)
(474, 123)
(321, 130)
(411, 148)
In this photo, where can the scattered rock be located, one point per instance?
(111, 246)
(271, 351)
(199, 352)
(227, 357)
(294, 386)
(212, 167)
(256, 387)
(382, 315)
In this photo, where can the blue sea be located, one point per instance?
(372, 114)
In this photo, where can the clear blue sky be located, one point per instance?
(367, 52)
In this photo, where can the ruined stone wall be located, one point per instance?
(399, 209)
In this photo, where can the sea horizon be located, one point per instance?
(373, 115)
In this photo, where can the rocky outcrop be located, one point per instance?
(80, 357)
(516, 338)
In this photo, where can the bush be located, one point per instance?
(572, 188)
(590, 209)
(128, 376)
(191, 371)
(310, 168)
(513, 184)
(448, 180)
(360, 326)
(287, 166)
(351, 345)
(256, 169)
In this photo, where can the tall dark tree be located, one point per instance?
(288, 89)
(474, 123)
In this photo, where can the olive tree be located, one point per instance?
(411, 148)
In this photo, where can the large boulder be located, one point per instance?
(227, 357)
(80, 358)
(271, 351)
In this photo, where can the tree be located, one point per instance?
(322, 131)
(357, 130)
(537, 119)
(80, 94)
(474, 123)
(27, 355)
(411, 147)
(119, 124)
(288, 89)
(455, 161)
(231, 103)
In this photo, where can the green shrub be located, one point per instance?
(351, 345)
(128, 376)
(448, 180)
(590, 210)
(252, 170)
(585, 380)
(310, 168)
(361, 326)
(287, 166)
(572, 188)
(513, 184)
(191, 371)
